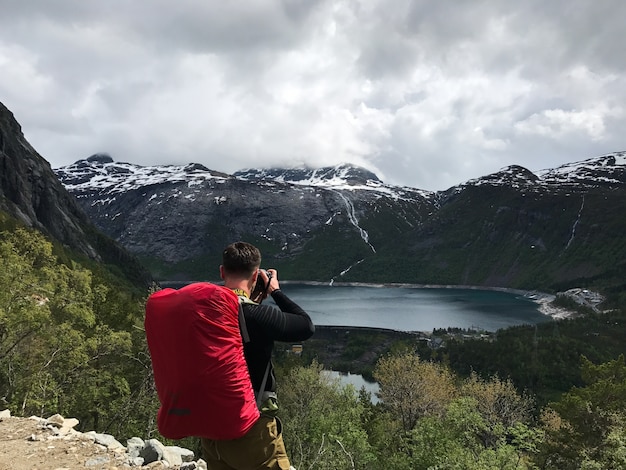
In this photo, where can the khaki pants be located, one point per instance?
(262, 448)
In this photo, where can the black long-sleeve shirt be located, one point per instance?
(266, 324)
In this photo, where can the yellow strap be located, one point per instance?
(241, 292)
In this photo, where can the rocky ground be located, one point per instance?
(52, 444)
(582, 297)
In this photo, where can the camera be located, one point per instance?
(260, 288)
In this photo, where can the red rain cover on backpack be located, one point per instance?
(199, 368)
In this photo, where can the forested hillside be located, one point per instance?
(71, 337)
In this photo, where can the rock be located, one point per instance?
(172, 456)
(105, 440)
(56, 420)
(152, 451)
(88, 436)
(136, 461)
(109, 452)
(68, 426)
(178, 453)
(5, 414)
(134, 445)
(70, 423)
(102, 460)
(156, 465)
(186, 454)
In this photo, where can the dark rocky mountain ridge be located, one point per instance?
(343, 223)
(30, 191)
(176, 214)
(31, 194)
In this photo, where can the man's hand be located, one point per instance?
(270, 275)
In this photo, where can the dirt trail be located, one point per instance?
(26, 445)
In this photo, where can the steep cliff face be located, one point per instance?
(31, 192)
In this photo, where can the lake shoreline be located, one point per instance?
(542, 299)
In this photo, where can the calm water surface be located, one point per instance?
(356, 380)
(414, 309)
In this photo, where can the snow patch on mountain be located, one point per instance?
(342, 177)
(606, 169)
(100, 173)
(609, 169)
(355, 221)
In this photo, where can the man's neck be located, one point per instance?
(241, 293)
(240, 288)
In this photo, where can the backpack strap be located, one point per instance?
(259, 395)
(242, 326)
(245, 336)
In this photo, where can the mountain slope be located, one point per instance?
(31, 193)
(558, 228)
(514, 228)
(179, 218)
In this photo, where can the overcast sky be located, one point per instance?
(427, 93)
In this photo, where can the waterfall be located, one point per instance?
(354, 221)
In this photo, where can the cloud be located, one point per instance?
(426, 94)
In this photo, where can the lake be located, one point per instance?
(414, 308)
(411, 309)
(356, 380)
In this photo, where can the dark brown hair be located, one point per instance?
(241, 259)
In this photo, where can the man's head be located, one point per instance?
(240, 260)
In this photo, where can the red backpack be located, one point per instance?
(200, 372)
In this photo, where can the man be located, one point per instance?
(262, 447)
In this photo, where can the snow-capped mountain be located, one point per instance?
(513, 176)
(342, 222)
(175, 213)
(340, 175)
(101, 172)
(607, 170)
(551, 229)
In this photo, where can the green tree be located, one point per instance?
(26, 284)
(412, 388)
(585, 427)
(499, 403)
(454, 441)
(323, 421)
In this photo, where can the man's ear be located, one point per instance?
(221, 272)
